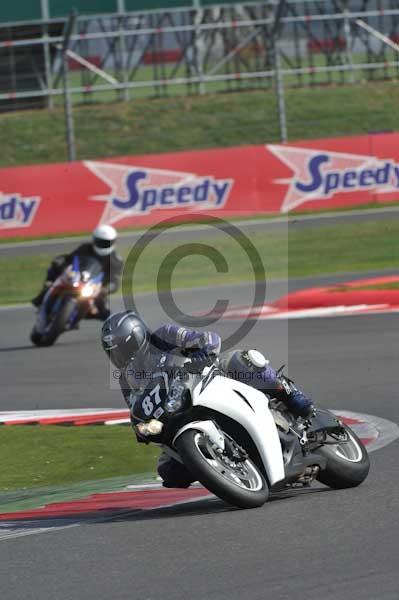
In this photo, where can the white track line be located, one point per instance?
(388, 431)
(270, 312)
(8, 533)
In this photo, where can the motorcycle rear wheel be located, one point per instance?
(238, 483)
(348, 463)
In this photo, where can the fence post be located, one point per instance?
(47, 54)
(123, 50)
(278, 72)
(279, 81)
(69, 124)
(199, 63)
(343, 4)
(348, 42)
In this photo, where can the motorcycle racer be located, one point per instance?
(102, 247)
(138, 353)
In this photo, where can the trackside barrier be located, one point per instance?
(143, 190)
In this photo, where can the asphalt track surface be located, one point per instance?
(330, 544)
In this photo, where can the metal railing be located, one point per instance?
(268, 45)
(196, 50)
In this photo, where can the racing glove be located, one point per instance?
(204, 355)
(199, 359)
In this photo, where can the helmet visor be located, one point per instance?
(117, 356)
(100, 243)
(122, 353)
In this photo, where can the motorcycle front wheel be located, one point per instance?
(56, 327)
(36, 337)
(239, 483)
(348, 463)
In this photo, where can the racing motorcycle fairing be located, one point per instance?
(207, 427)
(249, 408)
(225, 434)
(80, 283)
(323, 420)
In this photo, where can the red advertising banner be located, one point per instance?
(142, 190)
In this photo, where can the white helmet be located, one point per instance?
(104, 238)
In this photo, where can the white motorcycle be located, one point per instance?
(238, 443)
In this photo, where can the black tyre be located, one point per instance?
(238, 483)
(348, 463)
(36, 337)
(58, 324)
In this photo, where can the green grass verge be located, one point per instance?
(344, 248)
(47, 456)
(304, 252)
(12, 500)
(197, 122)
(291, 217)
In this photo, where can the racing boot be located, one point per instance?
(296, 401)
(299, 404)
(173, 473)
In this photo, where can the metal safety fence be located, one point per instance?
(200, 49)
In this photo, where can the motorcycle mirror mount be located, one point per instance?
(280, 371)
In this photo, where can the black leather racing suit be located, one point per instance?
(112, 267)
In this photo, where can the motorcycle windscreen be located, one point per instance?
(93, 267)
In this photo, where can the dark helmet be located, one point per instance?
(125, 336)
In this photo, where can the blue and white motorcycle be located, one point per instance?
(68, 300)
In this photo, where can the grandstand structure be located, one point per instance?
(161, 47)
